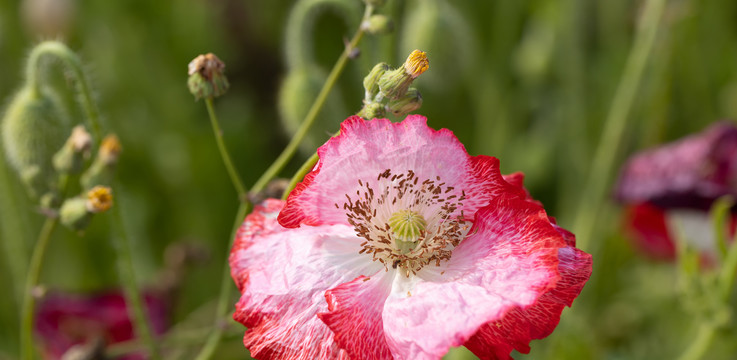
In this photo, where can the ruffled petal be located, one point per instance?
(283, 275)
(354, 315)
(691, 172)
(496, 339)
(365, 149)
(509, 261)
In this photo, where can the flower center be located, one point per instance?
(407, 222)
(407, 226)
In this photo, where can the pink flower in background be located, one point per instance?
(669, 190)
(401, 245)
(65, 320)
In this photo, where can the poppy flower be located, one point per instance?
(399, 245)
(669, 190)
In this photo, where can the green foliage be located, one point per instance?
(528, 81)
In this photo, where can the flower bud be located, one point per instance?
(371, 81)
(74, 215)
(411, 101)
(206, 77)
(102, 169)
(372, 111)
(77, 212)
(378, 25)
(71, 157)
(394, 84)
(32, 131)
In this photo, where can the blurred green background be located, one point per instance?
(528, 81)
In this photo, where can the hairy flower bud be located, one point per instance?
(71, 157)
(378, 25)
(206, 77)
(32, 131)
(411, 101)
(371, 81)
(394, 84)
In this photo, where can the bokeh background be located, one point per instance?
(528, 81)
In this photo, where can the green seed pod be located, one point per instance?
(206, 77)
(408, 103)
(33, 129)
(437, 27)
(297, 93)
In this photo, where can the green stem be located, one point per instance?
(291, 148)
(225, 290)
(701, 343)
(13, 228)
(121, 243)
(595, 191)
(74, 65)
(300, 174)
(234, 177)
(728, 273)
(29, 300)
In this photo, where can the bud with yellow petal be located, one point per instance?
(394, 84)
(77, 212)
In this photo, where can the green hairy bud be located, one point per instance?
(411, 101)
(33, 129)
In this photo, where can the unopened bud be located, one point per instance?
(206, 77)
(371, 81)
(99, 199)
(74, 214)
(394, 84)
(411, 101)
(71, 157)
(372, 111)
(378, 25)
(102, 169)
(33, 130)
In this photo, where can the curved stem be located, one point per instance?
(303, 170)
(232, 172)
(291, 148)
(595, 191)
(74, 65)
(121, 243)
(29, 300)
(301, 20)
(225, 291)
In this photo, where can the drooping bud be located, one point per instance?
(371, 81)
(77, 212)
(32, 131)
(76, 150)
(206, 77)
(372, 111)
(394, 84)
(102, 169)
(378, 25)
(411, 101)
